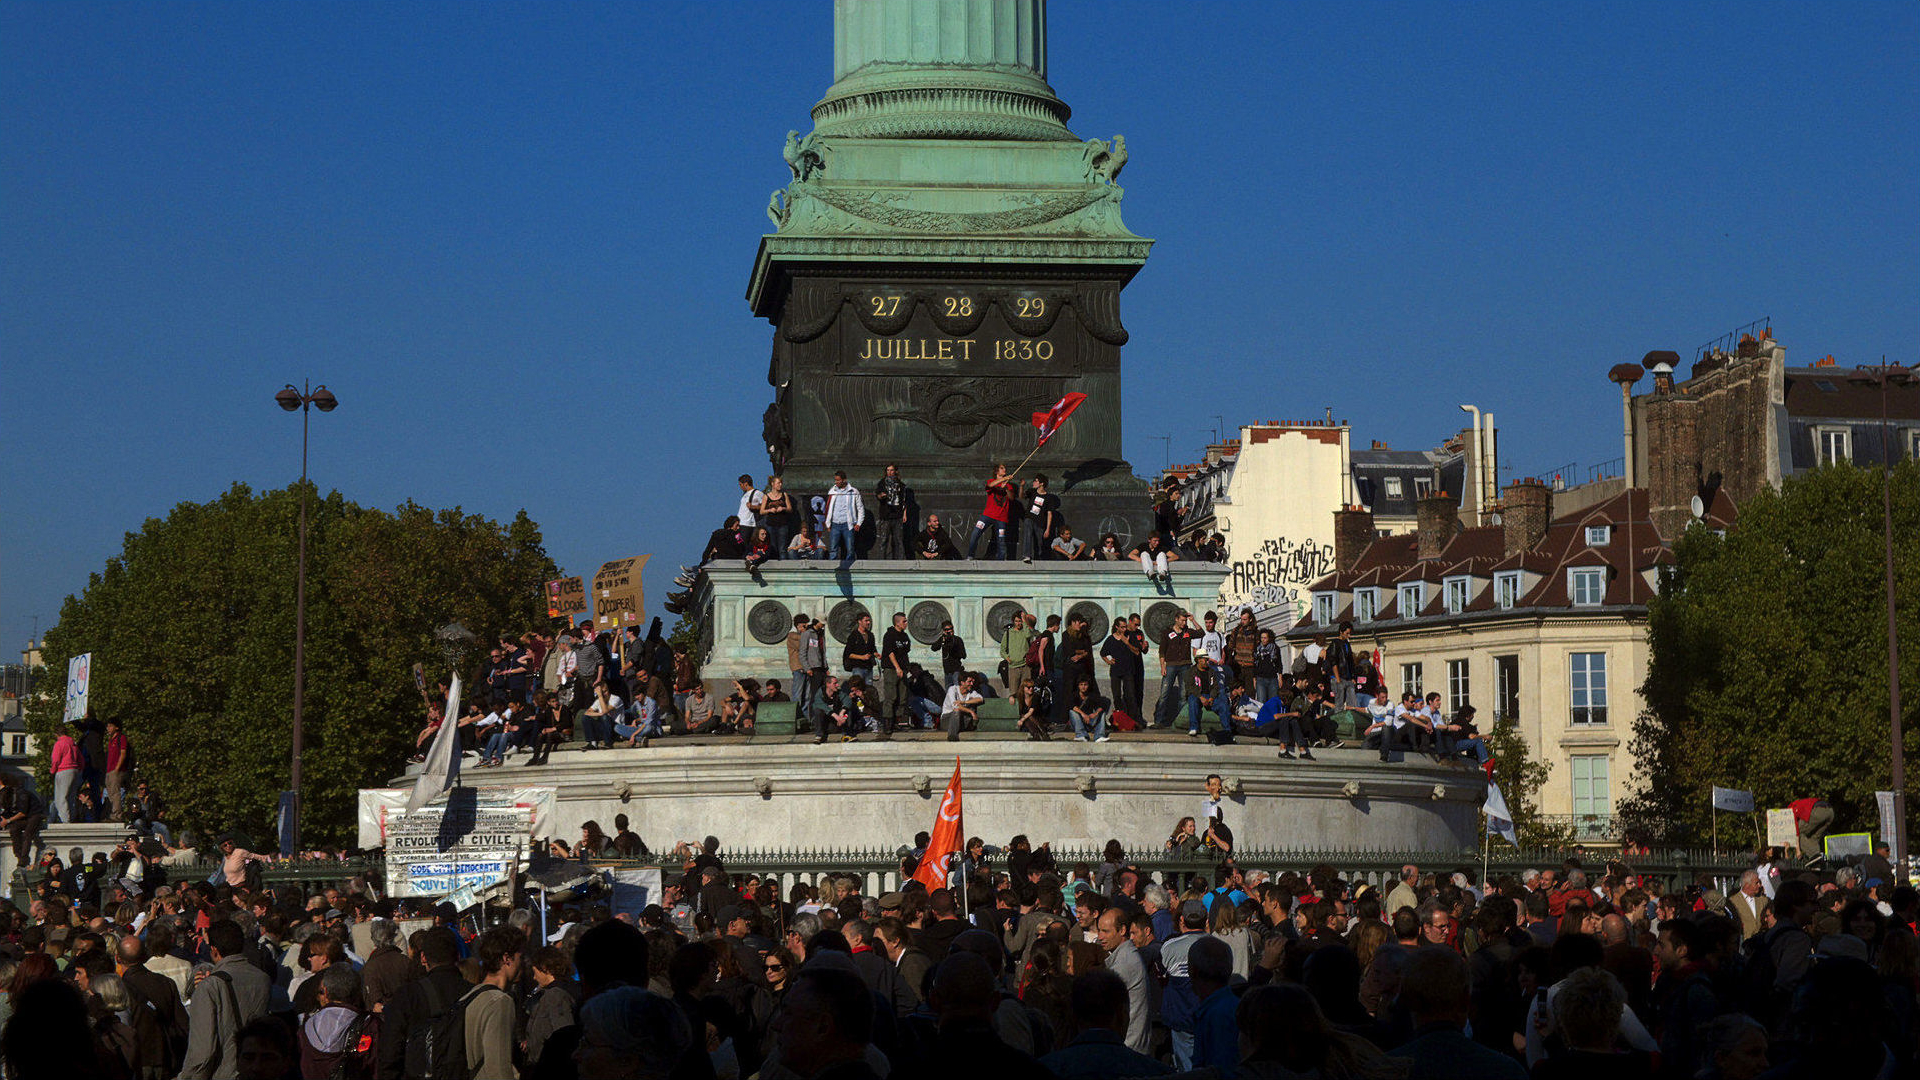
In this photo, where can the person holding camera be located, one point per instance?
(953, 653)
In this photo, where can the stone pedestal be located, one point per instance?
(794, 796)
(748, 616)
(63, 840)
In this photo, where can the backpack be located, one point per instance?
(438, 1047)
(1124, 721)
(357, 1061)
(1032, 658)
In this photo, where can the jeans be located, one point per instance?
(998, 549)
(497, 746)
(1266, 688)
(1080, 724)
(924, 713)
(61, 809)
(864, 674)
(780, 535)
(955, 722)
(1170, 691)
(1182, 1050)
(649, 730)
(893, 695)
(595, 729)
(1475, 746)
(1343, 697)
(888, 542)
(840, 541)
(805, 689)
(1034, 543)
(1193, 711)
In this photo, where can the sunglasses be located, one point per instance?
(776, 967)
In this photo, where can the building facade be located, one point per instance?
(1539, 621)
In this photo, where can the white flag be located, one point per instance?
(1732, 800)
(442, 769)
(1499, 821)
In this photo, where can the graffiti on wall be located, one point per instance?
(1275, 576)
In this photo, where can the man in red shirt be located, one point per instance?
(119, 756)
(1812, 817)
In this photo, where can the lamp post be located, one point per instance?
(305, 399)
(1886, 376)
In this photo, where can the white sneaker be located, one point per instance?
(1079, 738)
(1102, 738)
(1193, 734)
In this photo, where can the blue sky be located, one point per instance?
(514, 238)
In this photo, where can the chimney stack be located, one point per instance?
(1352, 532)
(1438, 518)
(1529, 506)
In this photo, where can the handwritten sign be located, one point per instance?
(616, 593)
(79, 677)
(1780, 829)
(566, 596)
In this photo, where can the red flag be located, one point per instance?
(932, 871)
(1049, 422)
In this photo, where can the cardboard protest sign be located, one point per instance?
(616, 593)
(566, 596)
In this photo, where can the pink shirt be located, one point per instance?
(234, 866)
(66, 754)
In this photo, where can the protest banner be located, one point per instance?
(617, 599)
(79, 679)
(475, 838)
(566, 597)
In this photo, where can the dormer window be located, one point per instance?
(1422, 486)
(1598, 535)
(1413, 597)
(1323, 607)
(1393, 488)
(1456, 595)
(1506, 589)
(1366, 604)
(1587, 585)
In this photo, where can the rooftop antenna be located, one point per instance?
(1219, 425)
(1166, 451)
(1329, 416)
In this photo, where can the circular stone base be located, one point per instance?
(795, 795)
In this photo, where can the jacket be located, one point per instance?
(384, 973)
(555, 1007)
(66, 754)
(488, 1023)
(844, 507)
(409, 1009)
(216, 1012)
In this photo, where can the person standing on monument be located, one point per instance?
(1242, 641)
(777, 517)
(890, 526)
(752, 499)
(860, 653)
(1043, 521)
(1176, 656)
(1013, 650)
(845, 514)
(895, 654)
(953, 653)
(1340, 667)
(1124, 669)
(1000, 493)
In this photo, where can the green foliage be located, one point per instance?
(1520, 778)
(1768, 665)
(191, 629)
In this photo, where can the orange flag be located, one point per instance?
(932, 871)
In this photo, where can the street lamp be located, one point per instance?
(1887, 376)
(305, 399)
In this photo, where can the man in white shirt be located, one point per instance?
(751, 499)
(845, 514)
(1214, 644)
(1384, 726)
(961, 707)
(1216, 794)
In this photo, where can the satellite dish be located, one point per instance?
(1699, 508)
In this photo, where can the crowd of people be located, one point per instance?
(1018, 519)
(600, 689)
(1016, 966)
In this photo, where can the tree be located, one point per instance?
(191, 629)
(1768, 655)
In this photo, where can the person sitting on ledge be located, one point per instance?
(724, 543)
(1033, 710)
(961, 707)
(933, 543)
(1068, 549)
(1090, 711)
(1154, 555)
(1109, 550)
(829, 711)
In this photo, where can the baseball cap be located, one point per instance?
(1193, 909)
